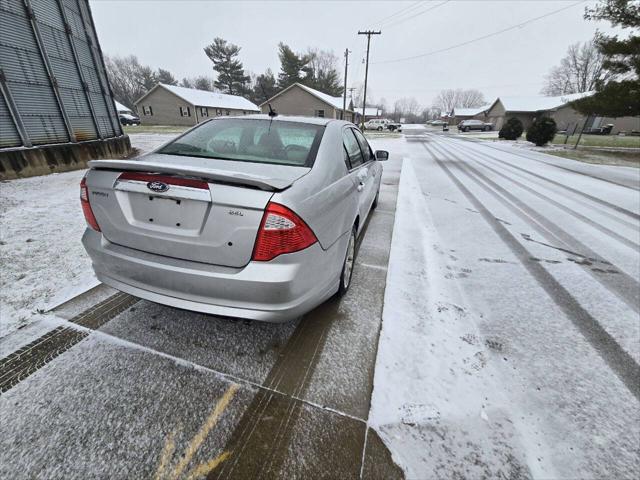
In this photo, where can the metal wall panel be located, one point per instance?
(9, 136)
(27, 79)
(53, 73)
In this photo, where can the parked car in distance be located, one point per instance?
(466, 125)
(437, 123)
(381, 124)
(252, 217)
(129, 119)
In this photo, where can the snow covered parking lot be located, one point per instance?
(507, 300)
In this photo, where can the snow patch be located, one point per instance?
(435, 403)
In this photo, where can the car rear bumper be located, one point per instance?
(276, 291)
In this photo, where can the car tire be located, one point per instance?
(487, 128)
(374, 205)
(347, 265)
(379, 129)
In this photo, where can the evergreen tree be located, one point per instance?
(231, 76)
(147, 78)
(294, 68)
(542, 131)
(324, 73)
(620, 96)
(166, 77)
(204, 83)
(264, 88)
(187, 83)
(512, 129)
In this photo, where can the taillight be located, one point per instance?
(86, 206)
(281, 231)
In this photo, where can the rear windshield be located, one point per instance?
(251, 140)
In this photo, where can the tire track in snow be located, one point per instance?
(602, 209)
(624, 366)
(615, 235)
(540, 160)
(621, 284)
(617, 208)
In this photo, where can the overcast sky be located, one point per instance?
(171, 34)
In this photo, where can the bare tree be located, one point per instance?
(449, 99)
(471, 98)
(201, 82)
(578, 71)
(358, 96)
(128, 78)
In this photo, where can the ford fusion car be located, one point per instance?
(253, 217)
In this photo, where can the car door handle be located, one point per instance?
(360, 186)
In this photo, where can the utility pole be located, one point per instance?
(368, 33)
(346, 68)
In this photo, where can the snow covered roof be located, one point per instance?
(121, 108)
(369, 111)
(335, 102)
(204, 98)
(538, 103)
(469, 112)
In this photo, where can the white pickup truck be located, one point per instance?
(381, 124)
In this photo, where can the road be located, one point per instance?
(544, 250)
(546, 253)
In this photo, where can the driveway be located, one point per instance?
(123, 388)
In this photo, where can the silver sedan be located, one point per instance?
(253, 217)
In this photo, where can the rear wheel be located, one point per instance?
(487, 128)
(379, 129)
(347, 266)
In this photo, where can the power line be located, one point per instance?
(414, 15)
(493, 34)
(399, 12)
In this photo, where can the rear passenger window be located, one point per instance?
(352, 147)
(364, 146)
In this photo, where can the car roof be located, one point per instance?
(284, 118)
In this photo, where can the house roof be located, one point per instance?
(121, 108)
(369, 111)
(335, 102)
(538, 103)
(469, 112)
(204, 98)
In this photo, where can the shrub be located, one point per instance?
(511, 130)
(542, 131)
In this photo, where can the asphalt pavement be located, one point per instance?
(124, 388)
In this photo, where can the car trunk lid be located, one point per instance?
(183, 209)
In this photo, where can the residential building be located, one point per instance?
(172, 105)
(298, 99)
(369, 113)
(459, 114)
(56, 106)
(527, 109)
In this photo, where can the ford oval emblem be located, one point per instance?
(157, 186)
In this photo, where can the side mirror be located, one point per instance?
(382, 155)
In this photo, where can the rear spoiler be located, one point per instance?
(261, 182)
